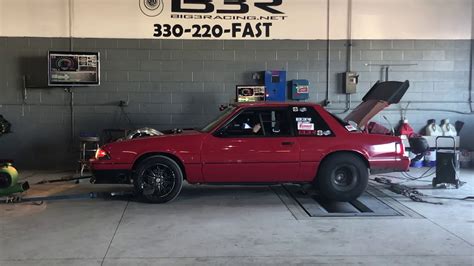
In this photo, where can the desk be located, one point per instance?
(442, 142)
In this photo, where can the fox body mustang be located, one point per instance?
(257, 143)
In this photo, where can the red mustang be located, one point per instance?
(261, 143)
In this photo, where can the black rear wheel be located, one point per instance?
(342, 177)
(158, 179)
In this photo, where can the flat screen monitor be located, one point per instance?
(67, 69)
(250, 93)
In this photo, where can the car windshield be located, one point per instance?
(209, 126)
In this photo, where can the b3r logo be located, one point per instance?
(207, 6)
(151, 8)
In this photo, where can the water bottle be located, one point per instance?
(432, 129)
(448, 129)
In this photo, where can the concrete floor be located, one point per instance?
(209, 225)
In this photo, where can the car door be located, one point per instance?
(257, 145)
(314, 137)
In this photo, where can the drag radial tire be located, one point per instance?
(158, 179)
(342, 177)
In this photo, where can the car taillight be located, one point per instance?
(400, 149)
(100, 154)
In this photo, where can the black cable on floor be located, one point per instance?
(412, 178)
(389, 182)
(449, 198)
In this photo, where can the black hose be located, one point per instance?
(413, 178)
(328, 56)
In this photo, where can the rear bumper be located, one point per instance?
(110, 173)
(386, 166)
(111, 176)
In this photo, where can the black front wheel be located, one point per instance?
(158, 179)
(342, 177)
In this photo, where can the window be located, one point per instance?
(309, 123)
(275, 123)
(259, 122)
(209, 126)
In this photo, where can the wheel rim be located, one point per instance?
(158, 180)
(345, 177)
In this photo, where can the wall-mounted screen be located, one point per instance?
(73, 68)
(250, 93)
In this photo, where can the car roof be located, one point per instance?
(274, 104)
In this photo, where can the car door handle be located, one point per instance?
(287, 143)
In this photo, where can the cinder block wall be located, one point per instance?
(177, 83)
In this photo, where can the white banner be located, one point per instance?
(203, 19)
(237, 19)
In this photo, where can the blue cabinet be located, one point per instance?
(275, 84)
(299, 89)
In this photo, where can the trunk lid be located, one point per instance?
(379, 97)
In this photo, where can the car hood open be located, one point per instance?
(379, 97)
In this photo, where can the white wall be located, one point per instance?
(412, 19)
(42, 18)
(372, 19)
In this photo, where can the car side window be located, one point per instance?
(258, 122)
(275, 122)
(308, 122)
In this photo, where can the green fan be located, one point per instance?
(8, 174)
(9, 180)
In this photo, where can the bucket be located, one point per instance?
(429, 163)
(465, 159)
(472, 158)
(430, 159)
(416, 164)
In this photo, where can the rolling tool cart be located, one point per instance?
(447, 164)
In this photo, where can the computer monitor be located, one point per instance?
(67, 69)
